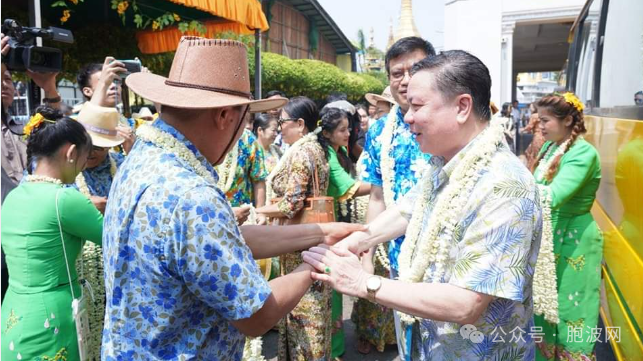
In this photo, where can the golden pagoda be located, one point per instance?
(391, 37)
(406, 25)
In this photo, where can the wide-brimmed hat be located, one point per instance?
(143, 113)
(385, 97)
(205, 73)
(100, 123)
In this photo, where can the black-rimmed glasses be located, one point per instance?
(281, 121)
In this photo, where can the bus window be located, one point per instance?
(622, 60)
(586, 53)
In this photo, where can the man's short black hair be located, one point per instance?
(336, 96)
(85, 73)
(272, 93)
(406, 46)
(515, 101)
(458, 72)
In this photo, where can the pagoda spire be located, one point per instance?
(406, 26)
(391, 37)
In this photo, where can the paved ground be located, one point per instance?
(389, 354)
(603, 350)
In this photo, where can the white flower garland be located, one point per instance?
(545, 291)
(82, 183)
(387, 163)
(166, 141)
(434, 246)
(545, 163)
(42, 179)
(227, 171)
(285, 161)
(252, 350)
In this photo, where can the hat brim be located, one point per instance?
(374, 98)
(104, 141)
(152, 87)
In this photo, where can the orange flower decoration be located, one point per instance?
(75, 2)
(66, 16)
(33, 124)
(122, 7)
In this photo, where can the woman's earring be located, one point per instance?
(71, 161)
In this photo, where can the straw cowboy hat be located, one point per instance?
(144, 113)
(205, 73)
(100, 123)
(385, 97)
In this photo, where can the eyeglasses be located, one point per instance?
(399, 74)
(281, 121)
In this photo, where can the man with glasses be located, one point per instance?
(393, 161)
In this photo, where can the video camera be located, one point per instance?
(24, 54)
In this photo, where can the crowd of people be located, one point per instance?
(189, 233)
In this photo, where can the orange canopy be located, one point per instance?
(243, 17)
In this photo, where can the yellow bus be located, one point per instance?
(605, 69)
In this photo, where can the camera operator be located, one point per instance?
(14, 150)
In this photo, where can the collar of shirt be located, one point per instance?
(441, 171)
(163, 126)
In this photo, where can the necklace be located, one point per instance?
(545, 291)
(167, 142)
(434, 247)
(387, 163)
(548, 159)
(228, 169)
(42, 179)
(82, 183)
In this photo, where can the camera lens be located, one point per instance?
(38, 58)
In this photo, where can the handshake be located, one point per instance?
(337, 262)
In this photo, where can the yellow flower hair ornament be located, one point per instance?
(35, 122)
(319, 123)
(572, 99)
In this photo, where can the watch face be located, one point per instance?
(373, 283)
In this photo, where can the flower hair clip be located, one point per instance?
(34, 123)
(572, 99)
(319, 123)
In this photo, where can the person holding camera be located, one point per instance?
(14, 150)
(102, 84)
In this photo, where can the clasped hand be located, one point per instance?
(339, 265)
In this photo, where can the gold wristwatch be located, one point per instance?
(373, 285)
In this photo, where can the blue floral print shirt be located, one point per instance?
(409, 160)
(99, 179)
(493, 251)
(177, 270)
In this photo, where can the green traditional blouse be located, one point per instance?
(37, 320)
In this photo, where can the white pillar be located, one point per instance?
(506, 68)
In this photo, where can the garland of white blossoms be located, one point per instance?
(387, 166)
(434, 246)
(544, 286)
(166, 141)
(545, 164)
(387, 163)
(228, 170)
(82, 183)
(252, 350)
(42, 179)
(285, 160)
(91, 256)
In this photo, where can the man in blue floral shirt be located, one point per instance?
(405, 162)
(181, 281)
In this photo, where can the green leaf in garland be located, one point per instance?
(138, 20)
(59, 3)
(183, 26)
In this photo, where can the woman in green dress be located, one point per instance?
(568, 173)
(342, 186)
(37, 320)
